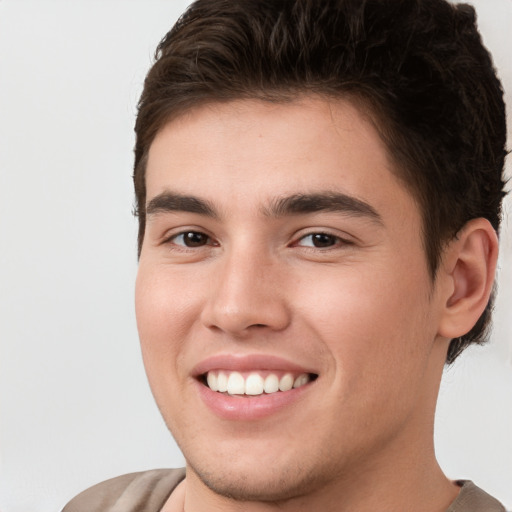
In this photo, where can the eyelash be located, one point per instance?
(172, 240)
(336, 240)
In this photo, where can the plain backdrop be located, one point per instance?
(75, 407)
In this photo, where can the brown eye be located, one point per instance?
(319, 240)
(191, 239)
(323, 240)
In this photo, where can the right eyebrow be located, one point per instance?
(173, 202)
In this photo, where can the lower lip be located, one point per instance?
(247, 408)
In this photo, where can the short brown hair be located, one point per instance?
(417, 66)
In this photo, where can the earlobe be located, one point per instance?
(469, 264)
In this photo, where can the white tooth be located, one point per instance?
(271, 384)
(286, 382)
(222, 382)
(211, 379)
(254, 384)
(236, 384)
(301, 380)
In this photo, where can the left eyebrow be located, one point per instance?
(299, 204)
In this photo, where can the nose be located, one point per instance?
(247, 294)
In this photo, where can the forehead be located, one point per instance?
(249, 151)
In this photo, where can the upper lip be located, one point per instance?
(244, 363)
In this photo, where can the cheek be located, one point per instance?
(369, 320)
(164, 304)
(163, 311)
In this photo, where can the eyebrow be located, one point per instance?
(298, 204)
(173, 202)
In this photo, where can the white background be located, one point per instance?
(74, 404)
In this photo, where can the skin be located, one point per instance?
(360, 310)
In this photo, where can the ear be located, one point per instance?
(468, 267)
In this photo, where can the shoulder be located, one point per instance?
(146, 491)
(473, 499)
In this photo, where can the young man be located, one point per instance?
(318, 189)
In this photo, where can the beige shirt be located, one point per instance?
(149, 490)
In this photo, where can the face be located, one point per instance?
(285, 310)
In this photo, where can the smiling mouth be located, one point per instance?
(254, 383)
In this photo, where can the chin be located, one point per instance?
(258, 482)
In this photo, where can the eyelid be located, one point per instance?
(342, 239)
(170, 237)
